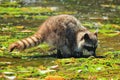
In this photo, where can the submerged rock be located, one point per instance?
(9, 75)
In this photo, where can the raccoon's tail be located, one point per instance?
(26, 43)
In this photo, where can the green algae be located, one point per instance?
(35, 63)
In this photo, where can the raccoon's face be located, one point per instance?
(87, 44)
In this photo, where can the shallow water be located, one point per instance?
(108, 44)
(105, 44)
(34, 62)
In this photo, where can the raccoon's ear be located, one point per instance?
(96, 33)
(86, 36)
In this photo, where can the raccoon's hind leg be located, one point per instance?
(64, 52)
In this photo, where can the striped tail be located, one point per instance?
(26, 43)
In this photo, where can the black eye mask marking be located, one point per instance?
(90, 48)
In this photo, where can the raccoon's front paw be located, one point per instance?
(65, 55)
(12, 47)
(59, 55)
(77, 54)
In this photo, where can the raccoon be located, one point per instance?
(64, 32)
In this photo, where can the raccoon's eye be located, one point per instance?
(90, 48)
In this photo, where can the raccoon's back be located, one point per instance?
(60, 28)
(62, 22)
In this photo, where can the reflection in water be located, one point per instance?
(34, 62)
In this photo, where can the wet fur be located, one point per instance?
(64, 32)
